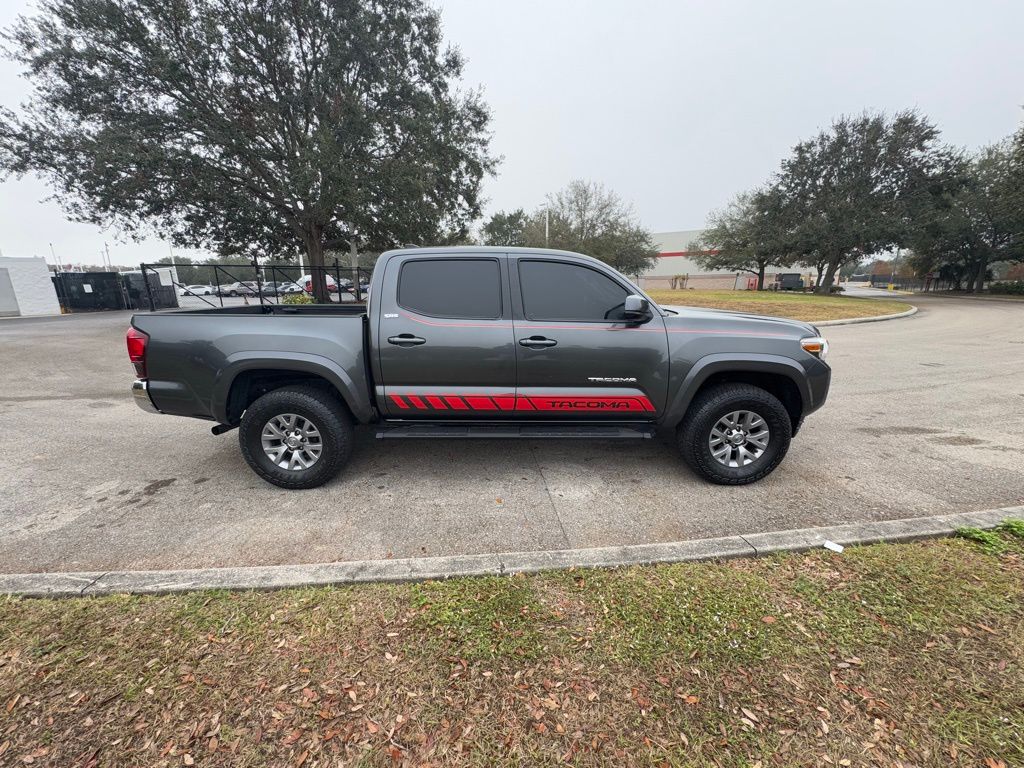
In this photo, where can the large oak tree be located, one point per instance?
(858, 187)
(250, 126)
(748, 235)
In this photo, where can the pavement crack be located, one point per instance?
(747, 542)
(551, 499)
(91, 583)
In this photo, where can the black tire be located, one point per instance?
(716, 402)
(317, 406)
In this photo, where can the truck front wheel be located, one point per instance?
(734, 434)
(296, 437)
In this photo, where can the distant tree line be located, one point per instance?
(871, 183)
(585, 217)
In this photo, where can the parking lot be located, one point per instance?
(925, 416)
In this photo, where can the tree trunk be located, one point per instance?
(760, 277)
(830, 275)
(314, 242)
(978, 284)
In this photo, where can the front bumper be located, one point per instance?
(140, 391)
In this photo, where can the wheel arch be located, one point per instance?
(781, 376)
(248, 375)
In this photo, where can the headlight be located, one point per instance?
(816, 345)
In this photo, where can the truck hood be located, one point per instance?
(739, 321)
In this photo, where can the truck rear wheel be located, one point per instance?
(296, 437)
(734, 434)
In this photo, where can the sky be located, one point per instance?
(675, 105)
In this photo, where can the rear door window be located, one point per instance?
(559, 291)
(459, 288)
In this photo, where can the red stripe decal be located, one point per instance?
(416, 402)
(398, 401)
(437, 403)
(480, 403)
(524, 404)
(456, 403)
(506, 403)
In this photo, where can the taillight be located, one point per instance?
(137, 341)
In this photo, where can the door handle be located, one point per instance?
(537, 341)
(406, 340)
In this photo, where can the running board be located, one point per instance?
(515, 431)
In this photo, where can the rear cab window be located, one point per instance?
(468, 289)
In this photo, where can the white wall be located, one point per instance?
(32, 285)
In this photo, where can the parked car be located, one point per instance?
(288, 286)
(270, 288)
(237, 289)
(477, 342)
(196, 290)
(306, 281)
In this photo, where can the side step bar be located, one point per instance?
(515, 431)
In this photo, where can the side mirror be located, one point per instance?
(636, 307)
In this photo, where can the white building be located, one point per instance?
(26, 288)
(676, 265)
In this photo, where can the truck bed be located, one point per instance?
(199, 361)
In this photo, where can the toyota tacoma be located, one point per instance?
(476, 342)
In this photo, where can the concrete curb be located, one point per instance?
(425, 568)
(856, 320)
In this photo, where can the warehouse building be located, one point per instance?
(26, 288)
(677, 268)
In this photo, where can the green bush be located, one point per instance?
(1015, 287)
(297, 298)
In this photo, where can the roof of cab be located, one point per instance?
(495, 249)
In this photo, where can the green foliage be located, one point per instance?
(1013, 527)
(855, 188)
(749, 235)
(1015, 288)
(506, 229)
(250, 129)
(979, 221)
(990, 541)
(297, 298)
(588, 218)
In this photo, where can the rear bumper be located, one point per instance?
(140, 391)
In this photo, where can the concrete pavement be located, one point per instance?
(924, 418)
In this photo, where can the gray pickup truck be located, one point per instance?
(476, 342)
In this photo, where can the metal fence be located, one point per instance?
(918, 284)
(198, 286)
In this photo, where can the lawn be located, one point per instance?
(884, 655)
(799, 306)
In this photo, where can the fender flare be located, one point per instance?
(355, 397)
(709, 365)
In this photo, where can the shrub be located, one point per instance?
(1016, 287)
(297, 298)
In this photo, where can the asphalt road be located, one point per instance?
(926, 416)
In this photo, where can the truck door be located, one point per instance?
(577, 356)
(444, 341)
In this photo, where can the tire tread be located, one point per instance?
(710, 403)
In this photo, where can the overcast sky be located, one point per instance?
(675, 105)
